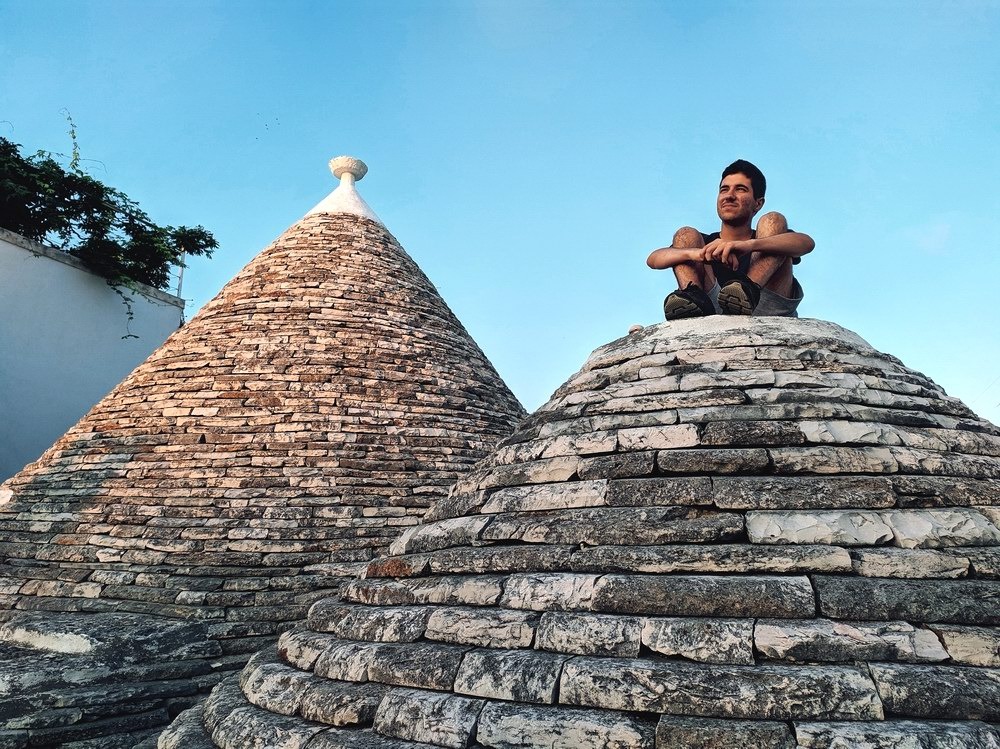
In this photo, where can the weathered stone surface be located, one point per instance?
(338, 703)
(696, 595)
(752, 433)
(935, 491)
(526, 727)
(651, 492)
(272, 685)
(507, 558)
(345, 661)
(374, 624)
(897, 734)
(970, 646)
(439, 535)
(492, 628)
(937, 527)
(626, 525)
(908, 563)
(712, 558)
(620, 465)
(658, 438)
(829, 641)
(440, 719)
(945, 601)
(553, 591)
(472, 590)
(186, 732)
(426, 666)
(515, 675)
(698, 639)
(301, 647)
(589, 634)
(754, 692)
(985, 562)
(940, 692)
(711, 733)
(351, 738)
(252, 727)
(829, 460)
(546, 497)
(802, 493)
(713, 461)
(843, 528)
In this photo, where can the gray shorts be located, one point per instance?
(770, 304)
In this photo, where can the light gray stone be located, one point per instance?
(939, 692)
(711, 733)
(705, 595)
(370, 623)
(908, 563)
(829, 641)
(825, 460)
(839, 527)
(493, 628)
(712, 558)
(658, 438)
(802, 493)
(939, 527)
(971, 646)
(897, 734)
(526, 727)
(549, 591)
(547, 497)
(462, 531)
(251, 727)
(619, 465)
(515, 675)
(274, 686)
(617, 525)
(934, 601)
(700, 639)
(472, 590)
(346, 661)
(498, 559)
(589, 634)
(751, 692)
(440, 719)
(301, 647)
(338, 703)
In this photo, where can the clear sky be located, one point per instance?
(529, 154)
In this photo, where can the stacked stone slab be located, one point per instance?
(732, 532)
(284, 436)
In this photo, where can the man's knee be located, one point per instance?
(771, 224)
(688, 237)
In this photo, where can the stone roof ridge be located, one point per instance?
(345, 198)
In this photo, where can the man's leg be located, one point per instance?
(773, 272)
(693, 281)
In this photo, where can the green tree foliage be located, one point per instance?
(100, 225)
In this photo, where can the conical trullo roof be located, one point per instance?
(306, 415)
(732, 532)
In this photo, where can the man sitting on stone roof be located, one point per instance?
(735, 271)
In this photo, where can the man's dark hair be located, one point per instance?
(757, 181)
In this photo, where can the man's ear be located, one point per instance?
(760, 204)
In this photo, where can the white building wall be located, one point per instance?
(61, 344)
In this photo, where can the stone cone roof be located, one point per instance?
(734, 532)
(305, 416)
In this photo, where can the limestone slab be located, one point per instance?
(659, 492)
(473, 590)
(802, 492)
(712, 558)
(700, 639)
(339, 703)
(504, 726)
(971, 646)
(933, 601)
(935, 528)
(838, 527)
(546, 497)
(897, 734)
(713, 461)
(705, 595)
(515, 675)
(549, 591)
(702, 690)
(439, 535)
(492, 628)
(370, 623)
(824, 640)
(712, 733)
(440, 719)
(908, 563)
(589, 634)
(938, 692)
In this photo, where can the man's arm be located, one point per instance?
(668, 257)
(790, 244)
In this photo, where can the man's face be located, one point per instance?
(736, 204)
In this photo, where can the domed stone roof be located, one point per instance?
(724, 532)
(305, 416)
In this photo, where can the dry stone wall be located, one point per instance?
(732, 532)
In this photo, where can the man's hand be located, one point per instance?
(727, 251)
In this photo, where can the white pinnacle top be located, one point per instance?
(345, 199)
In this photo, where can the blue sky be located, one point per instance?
(529, 155)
